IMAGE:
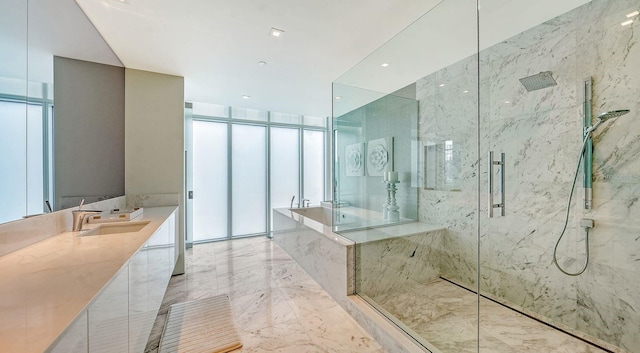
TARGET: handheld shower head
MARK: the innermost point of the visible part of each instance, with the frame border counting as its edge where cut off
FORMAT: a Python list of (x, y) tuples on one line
[(612, 114), (602, 117)]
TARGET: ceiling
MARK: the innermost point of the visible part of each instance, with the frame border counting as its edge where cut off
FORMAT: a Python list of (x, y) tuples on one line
[(216, 45)]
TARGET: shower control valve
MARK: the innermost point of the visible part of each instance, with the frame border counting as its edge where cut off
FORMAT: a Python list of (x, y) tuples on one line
[(586, 223)]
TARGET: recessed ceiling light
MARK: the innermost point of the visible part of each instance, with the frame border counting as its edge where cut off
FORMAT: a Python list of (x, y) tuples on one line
[(274, 32), (246, 97), (633, 14), (338, 97), (626, 23), (442, 85), (465, 91), (262, 63), (384, 64), (507, 102)]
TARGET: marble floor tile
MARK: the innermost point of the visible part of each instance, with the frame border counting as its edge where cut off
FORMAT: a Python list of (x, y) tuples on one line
[(277, 306), (448, 319)]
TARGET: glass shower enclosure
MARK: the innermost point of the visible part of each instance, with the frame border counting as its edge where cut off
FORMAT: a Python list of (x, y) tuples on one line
[(456, 146)]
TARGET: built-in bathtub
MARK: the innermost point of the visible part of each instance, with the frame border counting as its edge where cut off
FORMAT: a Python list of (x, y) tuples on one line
[(306, 235), (330, 259)]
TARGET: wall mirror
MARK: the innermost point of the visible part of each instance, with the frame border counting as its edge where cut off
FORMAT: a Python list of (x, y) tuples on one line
[(32, 33)]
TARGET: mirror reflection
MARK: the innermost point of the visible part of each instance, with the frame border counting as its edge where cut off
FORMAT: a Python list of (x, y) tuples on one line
[(32, 33)]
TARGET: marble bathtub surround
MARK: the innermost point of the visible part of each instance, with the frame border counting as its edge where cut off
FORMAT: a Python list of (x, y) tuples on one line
[(329, 259), (45, 286), (327, 256), (277, 306), (540, 132)]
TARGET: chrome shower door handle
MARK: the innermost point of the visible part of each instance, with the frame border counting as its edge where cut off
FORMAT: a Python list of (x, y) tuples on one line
[(491, 205)]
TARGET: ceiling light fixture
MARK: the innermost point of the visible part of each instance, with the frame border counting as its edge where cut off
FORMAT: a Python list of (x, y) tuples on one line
[(274, 32), (338, 97), (262, 63), (507, 102), (465, 91), (626, 23), (384, 64), (245, 97), (442, 85), (633, 14)]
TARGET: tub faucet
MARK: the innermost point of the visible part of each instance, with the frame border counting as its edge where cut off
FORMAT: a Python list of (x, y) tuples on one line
[(305, 202), (79, 217)]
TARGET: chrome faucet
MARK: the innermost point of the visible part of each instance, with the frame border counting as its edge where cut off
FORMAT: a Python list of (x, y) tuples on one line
[(305, 202), (79, 217)]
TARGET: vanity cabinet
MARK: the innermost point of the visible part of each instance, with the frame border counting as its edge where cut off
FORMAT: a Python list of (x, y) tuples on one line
[(108, 317), (75, 339), (149, 274), (121, 316)]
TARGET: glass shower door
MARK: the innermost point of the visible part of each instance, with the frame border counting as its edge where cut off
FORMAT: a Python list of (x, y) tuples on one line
[(419, 95), (554, 278)]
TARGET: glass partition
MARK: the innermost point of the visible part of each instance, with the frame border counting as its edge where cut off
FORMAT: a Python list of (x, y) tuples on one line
[(375, 158), (413, 212), (524, 164)]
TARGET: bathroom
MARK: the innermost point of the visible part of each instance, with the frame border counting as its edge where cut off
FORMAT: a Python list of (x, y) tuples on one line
[(438, 110)]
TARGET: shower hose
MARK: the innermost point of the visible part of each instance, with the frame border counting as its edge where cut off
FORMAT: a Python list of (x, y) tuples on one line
[(566, 218)]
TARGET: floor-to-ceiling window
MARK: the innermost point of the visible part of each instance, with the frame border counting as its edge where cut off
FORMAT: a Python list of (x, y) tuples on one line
[(247, 162), (25, 137)]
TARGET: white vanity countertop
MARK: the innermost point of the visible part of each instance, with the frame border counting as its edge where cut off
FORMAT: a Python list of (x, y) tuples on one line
[(43, 287)]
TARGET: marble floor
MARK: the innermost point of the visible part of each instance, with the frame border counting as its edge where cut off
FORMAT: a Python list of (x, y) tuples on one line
[(276, 305), (447, 320)]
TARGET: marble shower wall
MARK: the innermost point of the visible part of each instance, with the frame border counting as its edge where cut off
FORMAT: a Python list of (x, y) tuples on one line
[(540, 132)]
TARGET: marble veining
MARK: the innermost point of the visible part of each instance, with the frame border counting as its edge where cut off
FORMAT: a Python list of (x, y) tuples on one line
[(449, 322), (540, 132), (277, 306)]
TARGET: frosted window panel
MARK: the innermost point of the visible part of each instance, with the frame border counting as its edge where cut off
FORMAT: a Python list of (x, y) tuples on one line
[(35, 160), (207, 109), (248, 114), (249, 173), (315, 121), (314, 166), (49, 156), (285, 166), (13, 167), (285, 118), (209, 180), (13, 86)]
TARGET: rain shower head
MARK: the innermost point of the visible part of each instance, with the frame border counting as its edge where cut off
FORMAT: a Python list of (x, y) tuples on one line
[(612, 114), (538, 81)]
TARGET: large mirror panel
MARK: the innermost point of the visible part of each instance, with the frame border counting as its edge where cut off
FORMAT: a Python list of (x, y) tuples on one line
[(32, 33)]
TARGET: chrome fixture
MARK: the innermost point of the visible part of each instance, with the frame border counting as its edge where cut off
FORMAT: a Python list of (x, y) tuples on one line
[(604, 117), (293, 198), (585, 154), (491, 205), (79, 216), (305, 202), (538, 81)]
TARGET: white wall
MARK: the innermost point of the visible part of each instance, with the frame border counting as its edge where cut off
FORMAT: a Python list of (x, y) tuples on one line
[(154, 139)]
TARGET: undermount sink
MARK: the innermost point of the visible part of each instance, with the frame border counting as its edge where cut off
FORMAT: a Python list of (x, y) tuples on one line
[(104, 229)]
